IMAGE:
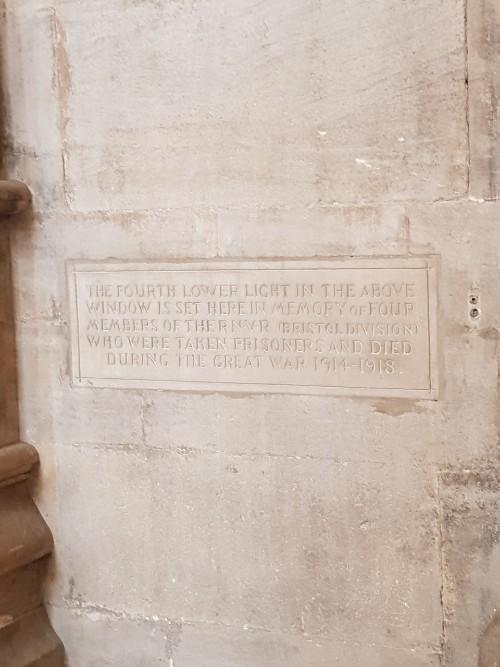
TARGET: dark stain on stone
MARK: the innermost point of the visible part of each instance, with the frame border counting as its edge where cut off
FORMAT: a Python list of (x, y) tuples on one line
[(489, 644), (71, 592), (395, 407), (491, 333), (486, 479)]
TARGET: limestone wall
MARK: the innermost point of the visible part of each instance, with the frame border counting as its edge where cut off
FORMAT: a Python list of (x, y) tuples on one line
[(262, 530)]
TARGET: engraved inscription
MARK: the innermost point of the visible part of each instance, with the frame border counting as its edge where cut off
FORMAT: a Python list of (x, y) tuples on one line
[(358, 327)]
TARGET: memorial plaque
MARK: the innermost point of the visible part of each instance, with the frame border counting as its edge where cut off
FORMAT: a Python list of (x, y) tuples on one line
[(364, 327)]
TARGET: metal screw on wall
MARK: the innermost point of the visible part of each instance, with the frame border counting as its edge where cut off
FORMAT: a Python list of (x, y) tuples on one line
[(474, 312)]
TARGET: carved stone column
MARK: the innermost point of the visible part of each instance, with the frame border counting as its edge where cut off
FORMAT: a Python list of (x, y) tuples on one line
[(26, 636)]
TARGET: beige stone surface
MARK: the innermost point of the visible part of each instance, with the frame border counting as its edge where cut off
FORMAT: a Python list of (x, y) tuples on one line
[(122, 640), (471, 553), (255, 102), (205, 529), (483, 73), (215, 518)]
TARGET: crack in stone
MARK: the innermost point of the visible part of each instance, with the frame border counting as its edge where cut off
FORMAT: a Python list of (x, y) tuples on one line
[(467, 92), (443, 640)]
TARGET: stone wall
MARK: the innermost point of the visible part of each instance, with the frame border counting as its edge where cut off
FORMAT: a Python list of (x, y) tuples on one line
[(247, 530)]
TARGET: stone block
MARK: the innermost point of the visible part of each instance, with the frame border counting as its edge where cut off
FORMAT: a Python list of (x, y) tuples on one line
[(471, 559), (96, 636), (314, 231), (271, 543), (341, 429), (284, 105)]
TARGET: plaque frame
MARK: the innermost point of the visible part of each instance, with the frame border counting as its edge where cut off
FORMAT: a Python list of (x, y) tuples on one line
[(428, 263)]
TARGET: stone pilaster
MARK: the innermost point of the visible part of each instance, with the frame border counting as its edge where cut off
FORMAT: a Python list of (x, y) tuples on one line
[(26, 636)]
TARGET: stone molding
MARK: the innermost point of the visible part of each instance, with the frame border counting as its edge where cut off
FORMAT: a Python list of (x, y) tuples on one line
[(14, 197), (16, 463), (26, 636)]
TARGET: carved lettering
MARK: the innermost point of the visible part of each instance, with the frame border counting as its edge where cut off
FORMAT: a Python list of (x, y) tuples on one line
[(359, 327)]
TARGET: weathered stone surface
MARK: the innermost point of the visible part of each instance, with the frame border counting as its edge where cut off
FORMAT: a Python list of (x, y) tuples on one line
[(274, 543), (41, 286), (32, 139), (483, 72), (89, 416), (284, 107), (97, 635), (332, 231), (309, 434), (471, 559), (298, 103), (203, 529), (94, 637)]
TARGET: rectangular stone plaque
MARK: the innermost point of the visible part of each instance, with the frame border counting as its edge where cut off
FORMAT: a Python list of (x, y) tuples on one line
[(364, 327)]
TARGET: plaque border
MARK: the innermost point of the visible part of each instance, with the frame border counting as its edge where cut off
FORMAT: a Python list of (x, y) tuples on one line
[(430, 263)]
